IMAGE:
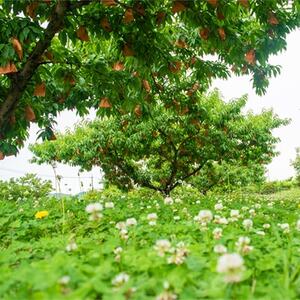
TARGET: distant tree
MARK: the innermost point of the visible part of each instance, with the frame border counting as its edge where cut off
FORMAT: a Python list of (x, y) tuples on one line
[(167, 148), (111, 54), (27, 187), (296, 164)]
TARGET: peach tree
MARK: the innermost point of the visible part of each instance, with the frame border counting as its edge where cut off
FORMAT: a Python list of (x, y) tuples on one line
[(112, 54), (167, 148)]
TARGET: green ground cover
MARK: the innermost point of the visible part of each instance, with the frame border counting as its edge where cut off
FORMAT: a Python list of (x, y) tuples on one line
[(139, 245)]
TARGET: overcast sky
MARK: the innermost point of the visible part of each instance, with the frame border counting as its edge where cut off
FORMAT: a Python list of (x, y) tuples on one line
[(282, 96)]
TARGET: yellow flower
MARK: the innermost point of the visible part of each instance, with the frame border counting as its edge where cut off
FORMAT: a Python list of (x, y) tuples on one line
[(41, 214)]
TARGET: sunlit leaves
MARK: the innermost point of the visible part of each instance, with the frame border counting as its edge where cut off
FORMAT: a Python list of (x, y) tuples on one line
[(113, 48), (160, 147)]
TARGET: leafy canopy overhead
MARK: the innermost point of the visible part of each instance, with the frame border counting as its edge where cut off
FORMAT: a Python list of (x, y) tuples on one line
[(166, 148), (63, 54)]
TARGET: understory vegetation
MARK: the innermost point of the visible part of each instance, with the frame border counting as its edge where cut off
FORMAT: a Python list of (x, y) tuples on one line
[(140, 245)]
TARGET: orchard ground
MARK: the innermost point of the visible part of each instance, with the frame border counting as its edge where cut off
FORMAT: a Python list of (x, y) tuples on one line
[(139, 245)]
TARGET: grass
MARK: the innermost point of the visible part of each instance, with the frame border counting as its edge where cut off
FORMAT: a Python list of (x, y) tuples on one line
[(35, 262)]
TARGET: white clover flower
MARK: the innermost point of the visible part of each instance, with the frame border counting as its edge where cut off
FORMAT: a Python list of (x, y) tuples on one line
[(131, 222), (244, 240), (257, 206), (64, 280), (266, 226), (217, 233), (232, 266), (252, 212), (179, 254), (176, 218), (204, 216), (124, 234), (168, 200), (234, 214), (93, 207), (270, 204), (298, 225), (220, 249), (219, 206), (220, 220), (166, 295), (109, 205), (285, 227), (176, 258), (152, 218), (117, 252), (162, 246), (120, 279), (177, 200), (223, 221), (243, 245), (121, 225), (198, 202), (248, 224), (72, 246)]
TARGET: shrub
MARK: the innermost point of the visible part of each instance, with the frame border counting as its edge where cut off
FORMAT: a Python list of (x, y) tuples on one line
[(25, 188)]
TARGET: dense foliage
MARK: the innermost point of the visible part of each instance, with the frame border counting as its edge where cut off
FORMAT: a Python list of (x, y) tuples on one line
[(167, 148), (63, 54), (229, 176), (271, 187), (141, 246), (28, 187)]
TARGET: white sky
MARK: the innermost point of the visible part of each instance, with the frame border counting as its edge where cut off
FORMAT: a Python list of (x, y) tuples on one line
[(282, 96)]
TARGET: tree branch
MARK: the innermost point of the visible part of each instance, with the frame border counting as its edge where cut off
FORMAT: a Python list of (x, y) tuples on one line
[(130, 172), (187, 176), (20, 79)]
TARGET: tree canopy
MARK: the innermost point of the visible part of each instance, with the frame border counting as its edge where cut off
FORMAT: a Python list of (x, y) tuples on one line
[(115, 55), (167, 148)]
